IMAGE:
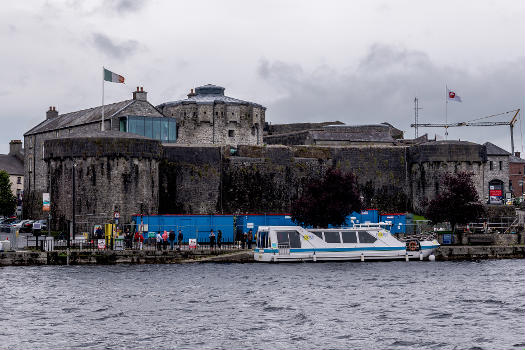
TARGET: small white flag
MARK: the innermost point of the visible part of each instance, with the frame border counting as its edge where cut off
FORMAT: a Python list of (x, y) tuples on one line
[(451, 95)]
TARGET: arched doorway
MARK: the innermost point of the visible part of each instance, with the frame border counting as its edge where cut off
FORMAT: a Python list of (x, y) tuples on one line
[(496, 192)]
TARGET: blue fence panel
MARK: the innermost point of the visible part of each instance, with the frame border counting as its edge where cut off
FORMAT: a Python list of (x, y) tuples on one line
[(398, 222), (192, 226), (256, 220)]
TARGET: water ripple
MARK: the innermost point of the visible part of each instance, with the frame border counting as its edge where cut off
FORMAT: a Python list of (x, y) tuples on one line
[(396, 305)]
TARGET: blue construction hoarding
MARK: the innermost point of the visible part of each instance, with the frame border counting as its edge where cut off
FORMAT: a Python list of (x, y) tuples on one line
[(199, 226), (192, 226)]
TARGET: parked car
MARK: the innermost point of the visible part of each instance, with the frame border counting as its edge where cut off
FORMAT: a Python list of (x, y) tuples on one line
[(27, 226), (18, 224), (43, 224)]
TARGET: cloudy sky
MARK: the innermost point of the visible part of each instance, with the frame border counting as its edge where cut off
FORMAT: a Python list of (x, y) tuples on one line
[(354, 61)]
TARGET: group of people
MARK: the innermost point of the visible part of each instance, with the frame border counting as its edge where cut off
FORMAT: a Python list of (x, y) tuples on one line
[(214, 239), (246, 239), (161, 241)]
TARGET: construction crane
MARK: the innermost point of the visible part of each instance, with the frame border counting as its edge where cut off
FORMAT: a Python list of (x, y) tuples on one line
[(477, 122)]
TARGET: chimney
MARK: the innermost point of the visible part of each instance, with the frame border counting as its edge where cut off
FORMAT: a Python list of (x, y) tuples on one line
[(140, 94), (517, 154), (15, 147), (52, 113), (191, 94)]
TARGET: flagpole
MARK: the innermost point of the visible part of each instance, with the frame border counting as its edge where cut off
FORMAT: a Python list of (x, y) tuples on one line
[(102, 126), (446, 111)]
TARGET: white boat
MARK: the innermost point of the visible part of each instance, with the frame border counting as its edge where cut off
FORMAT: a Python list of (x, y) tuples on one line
[(372, 242)]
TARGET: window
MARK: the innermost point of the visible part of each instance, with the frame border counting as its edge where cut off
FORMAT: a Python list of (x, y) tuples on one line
[(148, 127), (19, 180), (231, 133), (216, 113), (282, 237), (318, 234), (332, 237), (56, 133), (365, 237), (164, 128), (349, 237), (43, 151), (491, 165), (500, 165), (289, 237)]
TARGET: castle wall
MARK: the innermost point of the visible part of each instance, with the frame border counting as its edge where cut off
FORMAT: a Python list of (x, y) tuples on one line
[(110, 174), (430, 161), (269, 179)]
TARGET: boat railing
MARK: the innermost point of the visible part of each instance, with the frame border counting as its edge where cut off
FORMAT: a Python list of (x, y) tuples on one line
[(284, 248)]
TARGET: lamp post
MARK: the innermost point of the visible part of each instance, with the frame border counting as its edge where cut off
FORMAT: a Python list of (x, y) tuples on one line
[(73, 206)]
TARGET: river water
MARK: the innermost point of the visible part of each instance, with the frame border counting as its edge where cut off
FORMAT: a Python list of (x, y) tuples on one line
[(370, 305)]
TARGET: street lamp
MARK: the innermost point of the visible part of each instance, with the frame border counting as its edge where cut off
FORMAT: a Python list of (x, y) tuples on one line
[(73, 207)]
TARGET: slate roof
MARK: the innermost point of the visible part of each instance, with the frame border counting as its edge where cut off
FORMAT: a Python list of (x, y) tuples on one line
[(493, 150), (81, 117), (11, 164), (356, 133), (209, 94), (514, 159)]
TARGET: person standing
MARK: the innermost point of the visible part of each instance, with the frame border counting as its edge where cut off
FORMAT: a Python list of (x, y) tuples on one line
[(212, 239), (179, 238), (165, 240), (250, 239), (158, 238), (219, 239), (136, 240), (172, 239), (141, 240), (244, 239)]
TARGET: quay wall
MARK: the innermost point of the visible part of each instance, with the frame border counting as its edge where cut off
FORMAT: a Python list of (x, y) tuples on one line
[(26, 258)]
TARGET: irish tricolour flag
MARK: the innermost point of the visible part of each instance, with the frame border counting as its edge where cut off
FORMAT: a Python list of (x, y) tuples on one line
[(112, 77)]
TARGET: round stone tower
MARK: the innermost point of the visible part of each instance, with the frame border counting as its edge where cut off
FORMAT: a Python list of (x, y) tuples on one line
[(207, 116)]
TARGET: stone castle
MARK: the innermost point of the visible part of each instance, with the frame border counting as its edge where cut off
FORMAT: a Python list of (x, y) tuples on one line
[(208, 154)]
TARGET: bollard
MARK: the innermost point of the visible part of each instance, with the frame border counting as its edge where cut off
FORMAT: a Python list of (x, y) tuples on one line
[(314, 258), (421, 256), (67, 257), (406, 257), (362, 257)]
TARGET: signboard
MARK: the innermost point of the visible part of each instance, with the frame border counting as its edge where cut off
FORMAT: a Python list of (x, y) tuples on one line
[(249, 224), (37, 226), (192, 243), (45, 202), (101, 244), (495, 193), (116, 215)]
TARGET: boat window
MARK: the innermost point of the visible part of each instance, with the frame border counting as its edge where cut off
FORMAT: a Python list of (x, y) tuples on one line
[(262, 239), (282, 237), (349, 237), (318, 234), (332, 237), (295, 240), (290, 237), (365, 237)]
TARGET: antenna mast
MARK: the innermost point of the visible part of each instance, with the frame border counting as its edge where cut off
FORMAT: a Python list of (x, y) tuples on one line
[(416, 117)]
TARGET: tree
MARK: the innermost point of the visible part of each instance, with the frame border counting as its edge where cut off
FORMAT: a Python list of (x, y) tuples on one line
[(458, 203), (7, 198), (328, 200)]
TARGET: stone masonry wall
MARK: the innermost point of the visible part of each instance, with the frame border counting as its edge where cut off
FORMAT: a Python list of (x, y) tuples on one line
[(269, 179), (110, 174), (217, 123)]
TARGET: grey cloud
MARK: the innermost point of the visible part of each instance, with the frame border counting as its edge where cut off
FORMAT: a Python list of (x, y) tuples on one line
[(127, 6), (383, 87), (117, 50)]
